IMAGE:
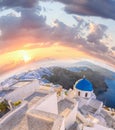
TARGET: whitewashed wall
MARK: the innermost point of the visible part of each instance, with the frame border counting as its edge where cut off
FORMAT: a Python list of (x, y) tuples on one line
[(12, 118), (49, 104), (59, 123), (71, 118), (82, 93), (63, 125), (23, 91)]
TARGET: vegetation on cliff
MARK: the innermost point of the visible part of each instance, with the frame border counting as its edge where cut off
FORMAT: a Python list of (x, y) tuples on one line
[(68, 78)]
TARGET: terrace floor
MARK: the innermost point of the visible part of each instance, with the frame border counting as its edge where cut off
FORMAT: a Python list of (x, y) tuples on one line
[(63, 104), (31, 101)]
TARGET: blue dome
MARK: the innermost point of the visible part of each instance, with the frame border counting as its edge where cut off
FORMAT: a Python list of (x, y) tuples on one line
[(84, 85)]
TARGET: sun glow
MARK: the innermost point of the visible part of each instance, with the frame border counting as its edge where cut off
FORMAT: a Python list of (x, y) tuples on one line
[(25, 56)]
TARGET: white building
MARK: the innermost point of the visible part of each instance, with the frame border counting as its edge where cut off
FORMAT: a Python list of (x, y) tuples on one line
[(51, 114), (91, 115), (44, 109)]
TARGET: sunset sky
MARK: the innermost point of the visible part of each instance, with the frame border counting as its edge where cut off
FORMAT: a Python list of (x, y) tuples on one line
[(32, 30)]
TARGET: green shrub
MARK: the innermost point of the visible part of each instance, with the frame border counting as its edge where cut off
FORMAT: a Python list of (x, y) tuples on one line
[(16, 103), (4, 106), (66, 92)]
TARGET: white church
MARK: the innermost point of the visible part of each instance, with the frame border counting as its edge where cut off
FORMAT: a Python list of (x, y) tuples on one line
[(84, 88), (50, 107)]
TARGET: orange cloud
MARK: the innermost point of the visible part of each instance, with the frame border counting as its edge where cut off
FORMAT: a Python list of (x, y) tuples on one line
[(56, 51), (20, 57)]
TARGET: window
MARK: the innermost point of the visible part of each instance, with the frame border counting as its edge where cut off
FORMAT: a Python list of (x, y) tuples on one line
[(86, 94), (78, 93)]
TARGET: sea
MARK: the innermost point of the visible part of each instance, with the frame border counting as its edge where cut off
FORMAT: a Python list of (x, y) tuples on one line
[(108, 97)]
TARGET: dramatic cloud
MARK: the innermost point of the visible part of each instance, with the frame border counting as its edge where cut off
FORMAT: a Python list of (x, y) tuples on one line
[(97, 32), (113, 48), (92, 43), (18, 32), (102, 8), (18, 3), (72, 36), (31, 31)]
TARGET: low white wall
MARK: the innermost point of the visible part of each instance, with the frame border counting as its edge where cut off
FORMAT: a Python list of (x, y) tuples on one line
[(63, 125), (39, 120), (23, 91), (12, 118), (81, 117), (71, 118), (49, 104), (59, 123), (82, 93), (84, 120), (109, 119)]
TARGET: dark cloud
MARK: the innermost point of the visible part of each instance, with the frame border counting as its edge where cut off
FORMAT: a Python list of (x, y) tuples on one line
[(97, 34), (31, 27), (95, 37), (71, 36), (102, 8), (18, 3), (113, 48), (100, 47), (17, 31)]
